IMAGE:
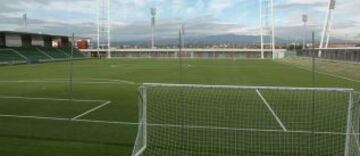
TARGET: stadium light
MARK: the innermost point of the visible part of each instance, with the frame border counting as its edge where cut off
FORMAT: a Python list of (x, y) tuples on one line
[(305, 20), (104, 26), (325, 37), (153, 22), (267, 27), (25, 18)]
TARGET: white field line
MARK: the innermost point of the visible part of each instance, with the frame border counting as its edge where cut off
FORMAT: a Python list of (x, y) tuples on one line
[(248, 129), (106, 122), (49, 99), (171, 125), (66, 81), (271, 110), (141, 151), (114, 80), (91, 110), (66, 119), (319, 72), (34, 117)]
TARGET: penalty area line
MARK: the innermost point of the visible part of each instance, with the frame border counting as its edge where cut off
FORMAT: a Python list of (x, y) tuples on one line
[(48, 99), (91, 110), (66, 119), (271, 110)]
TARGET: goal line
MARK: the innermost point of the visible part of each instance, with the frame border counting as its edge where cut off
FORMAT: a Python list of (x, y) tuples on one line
[(102, 104)]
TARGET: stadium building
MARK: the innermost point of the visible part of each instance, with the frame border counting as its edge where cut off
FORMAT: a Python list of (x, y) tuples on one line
[(24, 47)]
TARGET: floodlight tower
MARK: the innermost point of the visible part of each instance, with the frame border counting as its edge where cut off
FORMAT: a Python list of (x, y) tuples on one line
[(305, 20), (153, 22), (267, 27), (183, 36), (325, 37), (104, 26), (25, 19)]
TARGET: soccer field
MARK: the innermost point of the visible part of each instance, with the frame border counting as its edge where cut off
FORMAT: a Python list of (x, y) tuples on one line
[(37, 118)]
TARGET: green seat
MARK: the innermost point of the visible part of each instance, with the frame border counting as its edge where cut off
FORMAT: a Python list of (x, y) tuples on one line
[(77, 53), (32, 53), (9, 55), (54, 53)]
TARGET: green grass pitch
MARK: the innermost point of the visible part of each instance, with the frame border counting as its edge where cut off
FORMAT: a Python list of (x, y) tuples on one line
[(32, 91)]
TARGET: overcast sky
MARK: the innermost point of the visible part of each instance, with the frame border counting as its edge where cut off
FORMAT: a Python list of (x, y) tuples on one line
[(131, 18)]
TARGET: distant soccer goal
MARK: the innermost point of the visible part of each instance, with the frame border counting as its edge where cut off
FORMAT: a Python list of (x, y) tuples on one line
[(212, 120)]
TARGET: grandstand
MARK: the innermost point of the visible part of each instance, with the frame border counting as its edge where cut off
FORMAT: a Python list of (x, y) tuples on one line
[(20, 47), (9, 54), (32, 53), (52, 52), (76, 54)]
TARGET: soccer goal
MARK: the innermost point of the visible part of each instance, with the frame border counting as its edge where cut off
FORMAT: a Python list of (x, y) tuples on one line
[(212, 120)]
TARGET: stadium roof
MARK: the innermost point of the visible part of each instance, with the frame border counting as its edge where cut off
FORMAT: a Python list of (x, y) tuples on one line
[(41, 34)]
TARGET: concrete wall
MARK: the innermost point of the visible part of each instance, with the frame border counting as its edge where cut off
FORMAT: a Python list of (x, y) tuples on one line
[(13, 40), (352, 55)]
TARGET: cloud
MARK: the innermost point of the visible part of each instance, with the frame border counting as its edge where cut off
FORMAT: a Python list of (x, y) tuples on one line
[(198, 26), (131, 19), (218, 6), (302, 3)]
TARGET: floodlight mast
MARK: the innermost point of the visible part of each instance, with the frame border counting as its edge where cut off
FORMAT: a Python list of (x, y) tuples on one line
[(25, 18), (274, 54), (153, 22), (305, 20), (104, 26), (98, 27), (327, 27), (109, 29), (261, 30), (266, 9), (183, 36)]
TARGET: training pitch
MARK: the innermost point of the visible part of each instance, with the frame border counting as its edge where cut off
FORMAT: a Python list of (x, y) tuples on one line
[(38, 119)]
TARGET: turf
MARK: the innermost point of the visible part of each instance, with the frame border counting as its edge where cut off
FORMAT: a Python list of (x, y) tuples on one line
[(116, 81)]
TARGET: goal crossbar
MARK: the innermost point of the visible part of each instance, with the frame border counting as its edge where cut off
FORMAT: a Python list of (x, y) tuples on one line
[(147, 85)]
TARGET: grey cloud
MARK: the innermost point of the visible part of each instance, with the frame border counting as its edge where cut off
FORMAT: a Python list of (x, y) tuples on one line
[(6, 8), (300, 5), (297, 33), (345, 24), (169, 29), (18, 6)]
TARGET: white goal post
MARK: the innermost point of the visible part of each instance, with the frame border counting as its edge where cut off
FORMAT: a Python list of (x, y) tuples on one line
[(186, 119)]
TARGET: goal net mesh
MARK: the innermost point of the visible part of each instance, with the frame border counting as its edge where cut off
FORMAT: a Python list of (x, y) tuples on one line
[(234, 120)]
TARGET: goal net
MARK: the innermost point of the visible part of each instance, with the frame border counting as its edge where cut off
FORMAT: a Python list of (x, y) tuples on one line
[(214, 120)]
